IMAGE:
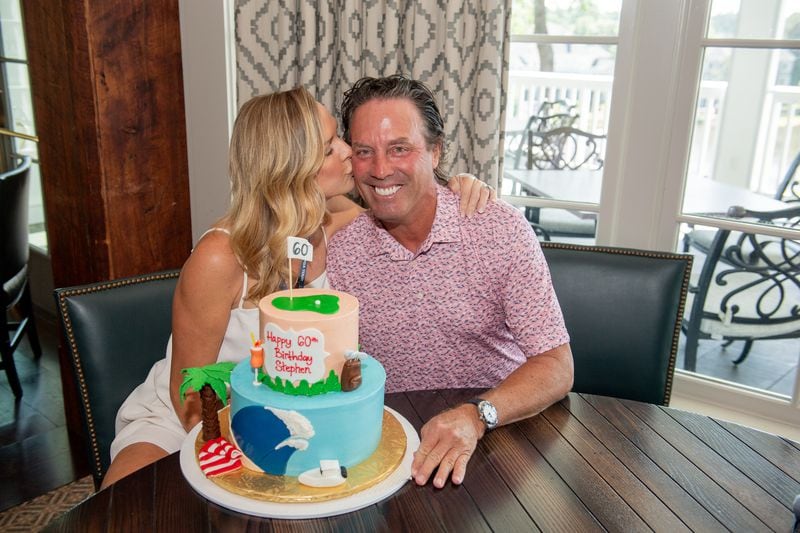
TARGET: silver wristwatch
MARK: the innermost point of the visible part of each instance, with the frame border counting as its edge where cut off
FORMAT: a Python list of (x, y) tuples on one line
[(486, 412)]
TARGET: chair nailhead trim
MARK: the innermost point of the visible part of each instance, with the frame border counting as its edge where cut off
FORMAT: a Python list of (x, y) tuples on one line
[(73, 347), (656, 255)]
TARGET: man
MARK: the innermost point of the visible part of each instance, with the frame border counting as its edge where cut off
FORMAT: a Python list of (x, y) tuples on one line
[(446, 301)]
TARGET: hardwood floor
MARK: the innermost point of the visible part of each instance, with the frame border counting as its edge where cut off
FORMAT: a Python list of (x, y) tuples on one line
[(34, 446)]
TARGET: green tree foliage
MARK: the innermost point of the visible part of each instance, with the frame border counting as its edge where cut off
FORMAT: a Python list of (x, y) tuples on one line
[(563, 17), (215, 376), (566, 17)]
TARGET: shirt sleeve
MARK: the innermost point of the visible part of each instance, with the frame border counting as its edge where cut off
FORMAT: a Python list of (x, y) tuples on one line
[(533, 314)]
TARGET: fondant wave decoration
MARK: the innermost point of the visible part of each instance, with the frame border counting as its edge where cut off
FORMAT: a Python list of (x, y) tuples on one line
[(269, 436)]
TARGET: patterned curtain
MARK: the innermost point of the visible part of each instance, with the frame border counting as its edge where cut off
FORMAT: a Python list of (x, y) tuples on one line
[(458, 48)]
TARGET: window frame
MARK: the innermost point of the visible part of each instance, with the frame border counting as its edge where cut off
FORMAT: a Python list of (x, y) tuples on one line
[(659, 59)]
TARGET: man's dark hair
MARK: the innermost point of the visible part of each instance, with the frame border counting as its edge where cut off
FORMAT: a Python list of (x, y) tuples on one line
[(399, 86)]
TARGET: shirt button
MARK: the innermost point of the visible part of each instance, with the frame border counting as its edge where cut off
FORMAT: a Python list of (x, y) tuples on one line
[(421, 295)]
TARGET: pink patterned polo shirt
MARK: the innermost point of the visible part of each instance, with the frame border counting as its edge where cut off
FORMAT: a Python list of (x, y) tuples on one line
[(464, 311)]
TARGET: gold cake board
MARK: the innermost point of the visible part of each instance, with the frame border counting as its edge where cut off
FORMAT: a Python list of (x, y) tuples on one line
[(256, 493), (266, 487)]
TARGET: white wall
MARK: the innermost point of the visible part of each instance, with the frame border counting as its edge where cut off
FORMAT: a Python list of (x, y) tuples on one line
[(209, 93)]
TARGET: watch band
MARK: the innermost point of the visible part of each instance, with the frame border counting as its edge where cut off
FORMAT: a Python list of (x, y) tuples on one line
[(491, 411)]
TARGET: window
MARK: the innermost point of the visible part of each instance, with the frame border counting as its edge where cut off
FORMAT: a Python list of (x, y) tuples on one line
[(747, 114), (656, 87), (561, 71), (698, 106), (16, 109), (742, 324)]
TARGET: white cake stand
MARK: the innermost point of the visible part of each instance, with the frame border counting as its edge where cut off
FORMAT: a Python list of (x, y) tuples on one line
[(379, 491)]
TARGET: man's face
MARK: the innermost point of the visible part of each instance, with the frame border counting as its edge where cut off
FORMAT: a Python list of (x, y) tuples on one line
[(392, 164)]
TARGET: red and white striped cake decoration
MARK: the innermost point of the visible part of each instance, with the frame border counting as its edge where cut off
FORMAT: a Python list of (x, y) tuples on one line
[(218, 456)]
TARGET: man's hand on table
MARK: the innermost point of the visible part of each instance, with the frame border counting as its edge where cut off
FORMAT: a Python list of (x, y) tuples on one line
[(447, 442)]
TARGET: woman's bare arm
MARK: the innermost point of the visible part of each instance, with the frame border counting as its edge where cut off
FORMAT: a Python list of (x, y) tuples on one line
[(209, 287)]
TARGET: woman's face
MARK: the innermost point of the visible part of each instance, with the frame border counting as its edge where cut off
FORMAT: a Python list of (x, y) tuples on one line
[(336, 175)]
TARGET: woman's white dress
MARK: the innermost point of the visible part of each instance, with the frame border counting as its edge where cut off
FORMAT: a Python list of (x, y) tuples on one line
[(147, 414)]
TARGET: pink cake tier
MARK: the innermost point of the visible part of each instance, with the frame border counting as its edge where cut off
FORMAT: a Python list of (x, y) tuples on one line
[(305, 336)]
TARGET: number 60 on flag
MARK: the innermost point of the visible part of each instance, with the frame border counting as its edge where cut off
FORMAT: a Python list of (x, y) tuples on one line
[(299, 248)]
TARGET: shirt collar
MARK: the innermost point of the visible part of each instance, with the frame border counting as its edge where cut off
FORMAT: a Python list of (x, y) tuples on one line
[(445, 229)]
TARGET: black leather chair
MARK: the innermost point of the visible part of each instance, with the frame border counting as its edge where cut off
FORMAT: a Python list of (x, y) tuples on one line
[(623, 310), (14, 253), (115, 331)]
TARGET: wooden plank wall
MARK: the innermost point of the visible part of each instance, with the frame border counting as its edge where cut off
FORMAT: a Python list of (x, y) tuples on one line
[(108, 98)]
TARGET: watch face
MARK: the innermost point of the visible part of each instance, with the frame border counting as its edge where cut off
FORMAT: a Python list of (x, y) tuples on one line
[(488, 413)]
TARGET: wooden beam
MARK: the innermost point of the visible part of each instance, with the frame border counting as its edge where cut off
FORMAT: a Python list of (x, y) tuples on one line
[(107, 91), (108, 97)]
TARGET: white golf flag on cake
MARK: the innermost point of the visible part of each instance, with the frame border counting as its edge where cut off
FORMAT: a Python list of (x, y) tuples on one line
[(299, 248)]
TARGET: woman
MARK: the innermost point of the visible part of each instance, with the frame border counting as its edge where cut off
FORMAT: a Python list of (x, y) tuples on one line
[(289, 171)]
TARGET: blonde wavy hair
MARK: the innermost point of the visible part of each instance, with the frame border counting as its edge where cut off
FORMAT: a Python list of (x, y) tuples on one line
[(275, 153)]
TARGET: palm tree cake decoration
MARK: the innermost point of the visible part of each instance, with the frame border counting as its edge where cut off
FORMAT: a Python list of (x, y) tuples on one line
[(210, 382)]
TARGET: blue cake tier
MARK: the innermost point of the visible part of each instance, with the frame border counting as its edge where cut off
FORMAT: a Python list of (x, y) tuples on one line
[(287, 435)]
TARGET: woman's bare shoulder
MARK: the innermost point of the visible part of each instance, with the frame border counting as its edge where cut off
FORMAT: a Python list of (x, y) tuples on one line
[(213, 268)]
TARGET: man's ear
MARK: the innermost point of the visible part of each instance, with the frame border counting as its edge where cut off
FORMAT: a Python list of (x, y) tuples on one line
[(436, 153)]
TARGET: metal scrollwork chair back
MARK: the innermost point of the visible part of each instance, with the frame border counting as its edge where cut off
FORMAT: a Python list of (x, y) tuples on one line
[(550, 115), (565, 148), (553, 114), (748, 288)]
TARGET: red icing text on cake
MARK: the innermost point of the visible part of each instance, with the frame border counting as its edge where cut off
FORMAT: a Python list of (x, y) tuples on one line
[(294, 355)]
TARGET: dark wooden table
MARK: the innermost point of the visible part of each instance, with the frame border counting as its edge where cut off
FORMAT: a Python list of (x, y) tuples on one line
[(588, 463)]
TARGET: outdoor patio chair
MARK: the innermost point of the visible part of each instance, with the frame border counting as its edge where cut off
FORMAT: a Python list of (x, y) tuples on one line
[(622, 308), (789, 188), (788, 191), (748, 288), (550, 115), (703, 240), (564, 148), (115, 331)]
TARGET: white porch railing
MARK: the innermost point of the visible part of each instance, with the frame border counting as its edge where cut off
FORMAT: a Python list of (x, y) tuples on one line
[(705, 134), (778, 138), (591, 94)]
